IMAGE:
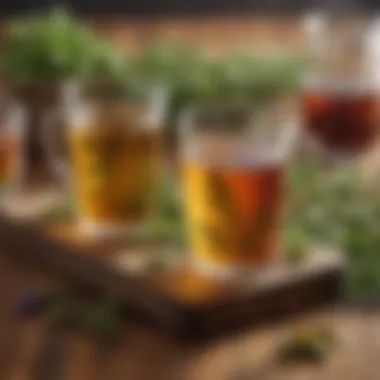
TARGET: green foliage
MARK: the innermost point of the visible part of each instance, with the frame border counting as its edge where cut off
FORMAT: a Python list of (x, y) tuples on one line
[(250, 80), (54, 46), (63, 211), (102, 318), (159, 62), (332, 207), (166, 227), (192, 76)]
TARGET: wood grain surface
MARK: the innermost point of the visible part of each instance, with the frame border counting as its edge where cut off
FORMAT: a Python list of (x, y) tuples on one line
[(33, 350), (175, 298)]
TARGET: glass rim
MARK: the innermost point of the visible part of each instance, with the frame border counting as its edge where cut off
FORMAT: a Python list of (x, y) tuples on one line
[(15, 112), (282, 137), (226, 112), (226, 118), (317, 22), (114, 90)]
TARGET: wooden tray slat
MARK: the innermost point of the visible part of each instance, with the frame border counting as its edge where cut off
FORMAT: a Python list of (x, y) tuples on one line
[(176, 299)]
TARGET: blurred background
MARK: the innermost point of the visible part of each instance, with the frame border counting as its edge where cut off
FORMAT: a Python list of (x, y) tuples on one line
[(228, 50)]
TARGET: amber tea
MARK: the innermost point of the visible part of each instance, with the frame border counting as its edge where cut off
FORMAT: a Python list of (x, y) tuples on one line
[(343, 122), (114, 173), (10, 155), (113, 144), (340, 99), (233, 212), (233, 165), (11, 146)]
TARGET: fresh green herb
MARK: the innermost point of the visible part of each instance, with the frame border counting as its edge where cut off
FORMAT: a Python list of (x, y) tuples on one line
[(168, 199), (58, 213), (69, 309), (54, 46), (331, 206), (162, 231), (297, 245), (62, 308), (102, 318), (194, 78), (166, 226), (311, 344), (160, 261), (64, 314)]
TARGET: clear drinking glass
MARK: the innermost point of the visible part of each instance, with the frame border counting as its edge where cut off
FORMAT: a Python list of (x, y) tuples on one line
[(12, 133), (113, 145), (233, 169), (340, 93)]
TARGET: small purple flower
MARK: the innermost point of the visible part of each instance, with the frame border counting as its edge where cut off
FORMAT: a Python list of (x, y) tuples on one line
[(31, 303)]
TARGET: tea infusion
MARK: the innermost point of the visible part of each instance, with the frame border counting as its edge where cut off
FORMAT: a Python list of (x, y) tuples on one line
[(343, 121), (115, 172), (233, 212), (10, 156)]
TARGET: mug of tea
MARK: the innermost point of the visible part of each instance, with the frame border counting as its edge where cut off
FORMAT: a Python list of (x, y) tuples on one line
[(339, 97), (233, 174), (12, 136), (113, 143)]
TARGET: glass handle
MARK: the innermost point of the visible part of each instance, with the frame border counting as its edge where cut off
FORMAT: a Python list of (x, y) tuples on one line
[(51, 144)]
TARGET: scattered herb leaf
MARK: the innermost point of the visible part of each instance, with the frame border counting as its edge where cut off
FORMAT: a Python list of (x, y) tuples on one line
[(311, 345)]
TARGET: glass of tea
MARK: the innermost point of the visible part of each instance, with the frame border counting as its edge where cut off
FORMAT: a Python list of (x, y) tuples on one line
[(12, 131), (233, 161), (112, 137), (340, 95)]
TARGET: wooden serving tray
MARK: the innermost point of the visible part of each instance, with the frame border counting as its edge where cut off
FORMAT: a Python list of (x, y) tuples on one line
[(174, 298)]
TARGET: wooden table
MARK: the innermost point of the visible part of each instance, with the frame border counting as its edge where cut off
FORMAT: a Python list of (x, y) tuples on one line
[(31, 349)]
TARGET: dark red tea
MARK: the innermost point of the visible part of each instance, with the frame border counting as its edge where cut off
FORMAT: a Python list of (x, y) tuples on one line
[(342, 121)]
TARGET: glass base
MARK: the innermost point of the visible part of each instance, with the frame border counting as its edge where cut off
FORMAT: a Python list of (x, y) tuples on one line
[(8, 191), (334, 154), (101, 230)]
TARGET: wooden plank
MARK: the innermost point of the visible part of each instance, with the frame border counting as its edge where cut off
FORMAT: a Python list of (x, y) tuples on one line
[(177, 299), (356, 355)]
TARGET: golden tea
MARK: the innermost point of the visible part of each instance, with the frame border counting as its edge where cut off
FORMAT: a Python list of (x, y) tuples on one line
[(233, 212), (115, 172), (10, 156)]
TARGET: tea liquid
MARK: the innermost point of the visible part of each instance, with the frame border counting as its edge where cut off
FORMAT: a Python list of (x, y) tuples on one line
[(233, 213), (342, 120), (10, 156), (115, 173)]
